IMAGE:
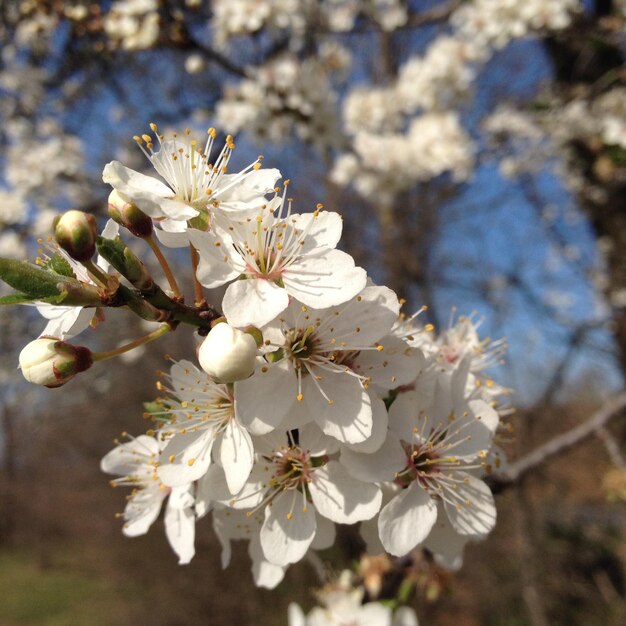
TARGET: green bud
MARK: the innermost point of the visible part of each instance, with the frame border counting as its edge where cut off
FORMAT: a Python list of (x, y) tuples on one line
[(129, 215), (76, 232), (51, 362), (126, 262)]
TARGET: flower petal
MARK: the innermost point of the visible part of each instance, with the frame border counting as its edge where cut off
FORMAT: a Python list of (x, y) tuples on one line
[(253, 301), (379, 466), (475, 515), (186, 457), (324, 278), (341, 498), (288, 529), (406, 521), (236, 454), (180, 529), (263, 400), (345, 413)]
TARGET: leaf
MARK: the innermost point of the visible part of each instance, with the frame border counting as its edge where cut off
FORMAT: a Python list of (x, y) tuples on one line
[(16, 298), (113, 251), (45, 285), (30, 279), (24, 298), (59, 264)]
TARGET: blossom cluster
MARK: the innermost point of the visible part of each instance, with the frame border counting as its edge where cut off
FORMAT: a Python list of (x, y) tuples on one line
[(314, 400), (341, 603)]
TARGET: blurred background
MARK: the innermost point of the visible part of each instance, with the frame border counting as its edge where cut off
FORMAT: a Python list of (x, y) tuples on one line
[(477, 152)]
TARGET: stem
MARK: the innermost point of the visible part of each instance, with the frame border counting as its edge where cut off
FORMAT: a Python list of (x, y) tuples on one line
[(97, 273), (200, 300), (155, 334), (559, 444), (164, 265)]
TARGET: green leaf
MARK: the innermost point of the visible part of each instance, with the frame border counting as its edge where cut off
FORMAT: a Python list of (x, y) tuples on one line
[(113, 251), (16, 298), (45, 285), (30, 279), (59, 264)]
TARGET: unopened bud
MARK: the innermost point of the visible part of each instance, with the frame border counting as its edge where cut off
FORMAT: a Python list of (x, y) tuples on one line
[(76, 232), (50, 362), (228, 354), (129, 215)]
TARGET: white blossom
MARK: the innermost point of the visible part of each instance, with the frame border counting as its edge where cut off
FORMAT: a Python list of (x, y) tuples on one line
[(135, 461)]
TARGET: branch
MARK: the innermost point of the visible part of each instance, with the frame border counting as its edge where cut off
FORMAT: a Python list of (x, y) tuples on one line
[(557, 445)]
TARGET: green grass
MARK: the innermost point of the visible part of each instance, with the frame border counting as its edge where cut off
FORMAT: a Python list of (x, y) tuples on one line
[(55, 596)]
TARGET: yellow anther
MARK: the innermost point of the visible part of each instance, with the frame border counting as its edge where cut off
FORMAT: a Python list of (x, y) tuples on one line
[(146, 138), (153, 127)]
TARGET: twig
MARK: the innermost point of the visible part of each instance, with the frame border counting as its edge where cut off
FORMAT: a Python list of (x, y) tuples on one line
[(559, 444), (612, 447)]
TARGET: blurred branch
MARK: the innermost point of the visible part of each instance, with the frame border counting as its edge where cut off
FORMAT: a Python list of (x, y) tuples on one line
[(612, 447), (558, 445)]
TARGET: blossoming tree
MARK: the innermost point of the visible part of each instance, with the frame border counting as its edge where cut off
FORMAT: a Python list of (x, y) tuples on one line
[(315, 398)]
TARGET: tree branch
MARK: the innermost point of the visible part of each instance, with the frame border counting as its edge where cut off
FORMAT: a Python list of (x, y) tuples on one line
[(559, 444)]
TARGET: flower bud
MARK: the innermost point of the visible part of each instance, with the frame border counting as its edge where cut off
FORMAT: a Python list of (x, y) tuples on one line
[(76, 232), (228, 354), (129, 215), (50, 362)]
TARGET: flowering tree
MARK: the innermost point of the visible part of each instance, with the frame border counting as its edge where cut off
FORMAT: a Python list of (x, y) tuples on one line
[(313, 400)]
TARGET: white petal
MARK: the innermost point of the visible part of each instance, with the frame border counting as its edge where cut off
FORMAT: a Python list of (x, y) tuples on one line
[(216, 265), (324, 278), (475, 514), (366, 318), (263, 400), (369, 533), (379, 466), (404, 616), (65, 321), (379, 428), (141, 512), (445, 543), (404, 416), (324, 229), (212, 487), (126, 458), (172, 239), (180, 528), (148, 193), (295, 616), (288, 529), (191, 453), (266, 574), (487, 414), (406, 521), (395, 365), (248, 193), (325, 535), (253, 301), (374, 614), (315, 442), (346, 412), (127, 181), (236, 454), (341, 498)]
